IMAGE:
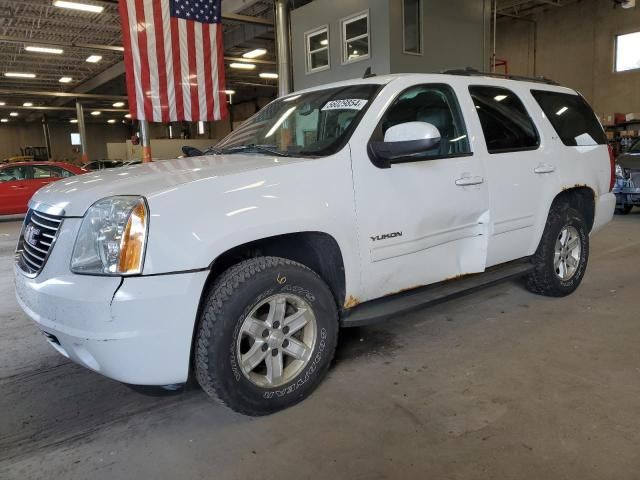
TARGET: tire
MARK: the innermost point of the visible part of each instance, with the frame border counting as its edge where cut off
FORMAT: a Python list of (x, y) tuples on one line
[(625, 210), (548, 277), (237, 312)]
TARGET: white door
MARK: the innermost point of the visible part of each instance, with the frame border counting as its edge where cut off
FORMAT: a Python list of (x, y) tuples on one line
[(420, 221), (516, 165)]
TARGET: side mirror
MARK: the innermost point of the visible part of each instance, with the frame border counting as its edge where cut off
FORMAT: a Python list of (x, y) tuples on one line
[(191, 151), (402, 142)]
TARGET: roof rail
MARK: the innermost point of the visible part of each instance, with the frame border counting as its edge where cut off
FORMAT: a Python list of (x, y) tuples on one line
[(472, 72)]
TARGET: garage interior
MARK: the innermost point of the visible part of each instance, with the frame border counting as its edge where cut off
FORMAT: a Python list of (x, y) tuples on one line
[(497, 384)]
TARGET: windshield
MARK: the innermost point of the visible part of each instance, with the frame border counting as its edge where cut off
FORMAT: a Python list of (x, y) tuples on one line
[(635, 147), (310, 124)]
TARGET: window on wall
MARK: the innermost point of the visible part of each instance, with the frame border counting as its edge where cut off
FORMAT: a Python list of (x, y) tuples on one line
[(317, 47), (412, 26), (628, 52), (355, 38)]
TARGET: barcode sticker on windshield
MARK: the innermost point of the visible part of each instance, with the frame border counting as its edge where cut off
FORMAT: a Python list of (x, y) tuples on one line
[(346, 104)]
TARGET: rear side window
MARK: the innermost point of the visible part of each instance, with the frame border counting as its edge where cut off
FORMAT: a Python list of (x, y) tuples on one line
[(506, 124), (571, 117)]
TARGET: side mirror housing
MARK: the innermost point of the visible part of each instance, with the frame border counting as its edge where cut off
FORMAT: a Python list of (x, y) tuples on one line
[(402, 142)]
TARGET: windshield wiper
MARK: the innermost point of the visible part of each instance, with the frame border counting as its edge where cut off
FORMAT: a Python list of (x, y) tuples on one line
[(258, 148)]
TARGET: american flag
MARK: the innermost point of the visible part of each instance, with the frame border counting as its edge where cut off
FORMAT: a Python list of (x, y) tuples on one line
[(174, 59)]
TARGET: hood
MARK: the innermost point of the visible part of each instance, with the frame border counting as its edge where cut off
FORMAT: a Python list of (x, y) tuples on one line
[(76, 194), (629, 160)]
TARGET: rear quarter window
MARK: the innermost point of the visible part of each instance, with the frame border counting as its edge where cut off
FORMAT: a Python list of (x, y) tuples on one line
[(571, 117)]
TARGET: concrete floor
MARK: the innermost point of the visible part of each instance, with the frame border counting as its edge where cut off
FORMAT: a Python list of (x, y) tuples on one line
[(500, 384)]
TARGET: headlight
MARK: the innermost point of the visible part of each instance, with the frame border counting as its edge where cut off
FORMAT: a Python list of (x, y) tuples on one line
[(619, 171), (112, 237)]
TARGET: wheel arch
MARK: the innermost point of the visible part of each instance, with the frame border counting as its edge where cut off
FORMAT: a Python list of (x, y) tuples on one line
[(580, 197)]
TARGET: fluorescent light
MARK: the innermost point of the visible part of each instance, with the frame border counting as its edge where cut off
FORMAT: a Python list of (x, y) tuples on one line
[(268, 75), (258, 52), (4, 120), (94, 58), (118, 104), (128, 115), (229, 92), (78, 6), (2, 104), (20, 75), (27, 104), (243, 66), (95, 113), (562, 110), (111, 120), (13, 114), (280, 121), (65, 79), (499, 98), (73, 120), (33, 48), (201, 128)]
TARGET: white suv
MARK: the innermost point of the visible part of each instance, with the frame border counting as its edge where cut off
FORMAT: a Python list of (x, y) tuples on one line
[(337, 205)]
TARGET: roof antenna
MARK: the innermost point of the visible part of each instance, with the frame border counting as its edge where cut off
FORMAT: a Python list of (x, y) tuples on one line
[(368, 74)]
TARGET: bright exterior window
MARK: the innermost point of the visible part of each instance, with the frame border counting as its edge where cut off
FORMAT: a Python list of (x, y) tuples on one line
[(355, 38), (628, 52), (412, 26), (317, 48)]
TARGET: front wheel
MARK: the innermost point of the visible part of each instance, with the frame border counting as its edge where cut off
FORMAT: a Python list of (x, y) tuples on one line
[(624, 210), (561, 258), (266, 336)]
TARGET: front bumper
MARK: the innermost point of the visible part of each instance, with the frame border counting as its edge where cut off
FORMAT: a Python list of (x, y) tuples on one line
[(627, 193), (136, 330)]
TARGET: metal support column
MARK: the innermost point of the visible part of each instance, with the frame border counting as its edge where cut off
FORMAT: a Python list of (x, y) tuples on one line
[(82, 131), (47, 137), (283, 46), (145, 141)]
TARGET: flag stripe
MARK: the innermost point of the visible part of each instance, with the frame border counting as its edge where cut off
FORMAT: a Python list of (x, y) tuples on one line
[(174, 59), (193, 83), (128, 59), (158, 28)]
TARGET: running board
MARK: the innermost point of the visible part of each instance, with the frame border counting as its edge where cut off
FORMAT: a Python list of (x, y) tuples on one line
[(382, 308)]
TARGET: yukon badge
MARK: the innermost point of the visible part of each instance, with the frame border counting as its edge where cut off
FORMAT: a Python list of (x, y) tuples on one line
[(385, 236)]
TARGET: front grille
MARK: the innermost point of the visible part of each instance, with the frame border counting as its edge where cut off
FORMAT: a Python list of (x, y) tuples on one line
[(635, 178), (38, 235)]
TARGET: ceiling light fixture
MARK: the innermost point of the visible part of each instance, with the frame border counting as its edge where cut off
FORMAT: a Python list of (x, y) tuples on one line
[(27, 104), (243, 66), (73, 120), (2, 104), (95, 113), (13, 114), (229, 92), (19, 75), (268, 75), (33, 48), (111, 120), (94, 58), (128, 115), (258, 52), (78, 6), (4, 120), (118, 104), (65, 79)]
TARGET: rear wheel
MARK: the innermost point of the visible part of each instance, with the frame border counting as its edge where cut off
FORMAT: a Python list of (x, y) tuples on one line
[(267, 335), (625, 210), (561, 258)]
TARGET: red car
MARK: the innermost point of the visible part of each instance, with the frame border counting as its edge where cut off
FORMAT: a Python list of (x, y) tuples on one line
[(20, 180)]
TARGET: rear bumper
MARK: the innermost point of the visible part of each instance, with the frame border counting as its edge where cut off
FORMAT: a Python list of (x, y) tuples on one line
[(138, 331), (605, 206)]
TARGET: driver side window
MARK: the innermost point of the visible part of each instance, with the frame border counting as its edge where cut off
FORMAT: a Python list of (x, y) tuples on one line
[(435, 104), (12, 174)]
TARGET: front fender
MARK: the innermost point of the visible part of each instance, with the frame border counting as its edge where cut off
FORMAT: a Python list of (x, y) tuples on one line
[(196, 222)]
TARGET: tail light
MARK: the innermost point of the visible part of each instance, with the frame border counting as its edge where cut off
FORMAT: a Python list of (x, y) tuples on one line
[(612, 159)]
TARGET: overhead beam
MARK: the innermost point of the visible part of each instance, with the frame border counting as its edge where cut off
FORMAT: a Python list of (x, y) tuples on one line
[(41, 93), (48, 107)]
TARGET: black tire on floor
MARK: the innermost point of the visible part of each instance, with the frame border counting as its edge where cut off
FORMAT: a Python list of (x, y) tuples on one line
[(229, 301), (544, 280), (624, 210)]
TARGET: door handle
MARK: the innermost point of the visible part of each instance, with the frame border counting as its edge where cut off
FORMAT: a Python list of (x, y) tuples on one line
[(468, 181), (544, 168)]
